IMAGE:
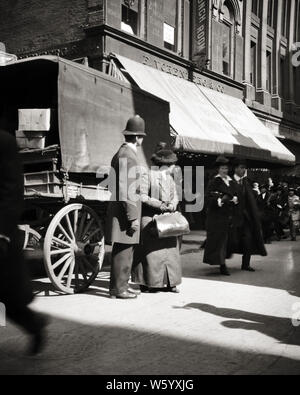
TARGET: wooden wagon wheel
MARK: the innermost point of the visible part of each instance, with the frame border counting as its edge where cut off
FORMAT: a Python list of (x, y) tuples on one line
[(74, 248)]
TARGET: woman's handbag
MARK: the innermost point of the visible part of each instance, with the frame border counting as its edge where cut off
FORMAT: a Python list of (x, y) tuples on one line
[(171, 225)]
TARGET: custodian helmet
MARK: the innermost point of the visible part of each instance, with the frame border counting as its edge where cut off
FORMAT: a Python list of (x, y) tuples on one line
[(135, 127)]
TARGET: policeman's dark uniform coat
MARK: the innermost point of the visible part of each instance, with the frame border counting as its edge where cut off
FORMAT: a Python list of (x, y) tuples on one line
[(122, 210), (218, 222)]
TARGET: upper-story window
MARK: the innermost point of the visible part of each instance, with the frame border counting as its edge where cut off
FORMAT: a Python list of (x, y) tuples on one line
[(269, 71), (228, 39), (256, 7), (130, 17), (253, 63), (271, 13), (297, 21), (172, 10), (284, 21)]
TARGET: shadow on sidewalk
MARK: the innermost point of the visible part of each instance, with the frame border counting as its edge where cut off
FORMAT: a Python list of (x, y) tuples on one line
[(77, 348), (280, 329)]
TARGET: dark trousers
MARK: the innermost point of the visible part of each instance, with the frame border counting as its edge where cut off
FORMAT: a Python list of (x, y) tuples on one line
[(25, 318), (293, 229), (122, 259), (246, 240)]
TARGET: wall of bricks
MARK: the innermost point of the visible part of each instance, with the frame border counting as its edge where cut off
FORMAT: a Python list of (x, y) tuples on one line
[(33, 25)]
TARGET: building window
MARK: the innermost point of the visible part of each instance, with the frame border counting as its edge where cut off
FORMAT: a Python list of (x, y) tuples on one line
[(271, 12), (227, 39), (284, 22), (269, 71), (130, 19), (172, 13), (256, 7), (253, 63), (169, 37), (282, 77), (297, 21)]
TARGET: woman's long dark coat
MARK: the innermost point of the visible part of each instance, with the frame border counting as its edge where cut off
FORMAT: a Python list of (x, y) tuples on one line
[(157, 261), (15, 286), (219, 220)]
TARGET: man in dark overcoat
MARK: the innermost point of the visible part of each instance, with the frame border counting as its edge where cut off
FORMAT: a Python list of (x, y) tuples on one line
[(15, 287), (247, 230), (124, 210), (265, 213)]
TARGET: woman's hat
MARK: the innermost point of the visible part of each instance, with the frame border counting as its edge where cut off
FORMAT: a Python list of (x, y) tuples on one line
[(221, 161), (165, 157)]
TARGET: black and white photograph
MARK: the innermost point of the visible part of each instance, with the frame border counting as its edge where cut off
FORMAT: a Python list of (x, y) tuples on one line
[(150, 190)]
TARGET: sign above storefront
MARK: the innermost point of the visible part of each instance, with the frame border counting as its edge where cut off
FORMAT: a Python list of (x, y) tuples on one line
[(200, 32)]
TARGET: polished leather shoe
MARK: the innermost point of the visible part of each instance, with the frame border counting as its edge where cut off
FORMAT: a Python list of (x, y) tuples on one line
[(133, 291), (224, 271), (248, 269), (124, 295)]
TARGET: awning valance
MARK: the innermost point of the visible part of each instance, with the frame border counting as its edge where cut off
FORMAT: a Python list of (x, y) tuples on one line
[(210, 122)]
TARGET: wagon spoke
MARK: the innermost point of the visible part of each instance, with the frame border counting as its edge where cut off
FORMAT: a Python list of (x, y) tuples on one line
[(82, 222), (88, 227), (60, 261), (89, 263), (60, 241), (65, 268), (70, 227), (76, 274), (65, 233), (83, 271), (75, 221), (58, 252), (92, 235), (71, 272)]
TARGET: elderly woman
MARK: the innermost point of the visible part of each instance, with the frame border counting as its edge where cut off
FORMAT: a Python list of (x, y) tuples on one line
[(157, 263), (221, 198)]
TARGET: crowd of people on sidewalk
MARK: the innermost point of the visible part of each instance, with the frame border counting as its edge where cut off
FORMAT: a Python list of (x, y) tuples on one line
[(279, 209)]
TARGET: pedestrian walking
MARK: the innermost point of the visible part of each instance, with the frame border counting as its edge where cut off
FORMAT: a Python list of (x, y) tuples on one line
[(15, 286), (124, 210), (294, 213), (221, 199), (265, 213), (247, 230), (157, 263)]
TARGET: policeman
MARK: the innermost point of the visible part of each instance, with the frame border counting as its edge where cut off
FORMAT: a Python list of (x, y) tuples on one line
[(124, 211)]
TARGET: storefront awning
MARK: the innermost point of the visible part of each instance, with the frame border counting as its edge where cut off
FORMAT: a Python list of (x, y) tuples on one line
[(209, 122)]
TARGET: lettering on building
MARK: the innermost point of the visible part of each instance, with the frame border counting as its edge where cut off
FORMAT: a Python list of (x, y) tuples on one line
[(200, 26), (182, 73)]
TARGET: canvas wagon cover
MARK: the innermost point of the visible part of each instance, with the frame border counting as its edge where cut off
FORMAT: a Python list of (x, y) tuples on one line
[(93, 110)]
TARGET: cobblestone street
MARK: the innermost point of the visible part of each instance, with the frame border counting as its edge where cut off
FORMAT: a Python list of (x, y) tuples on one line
[(217, 325)]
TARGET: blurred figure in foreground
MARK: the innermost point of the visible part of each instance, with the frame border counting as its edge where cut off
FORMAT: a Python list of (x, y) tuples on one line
[(15, 287)]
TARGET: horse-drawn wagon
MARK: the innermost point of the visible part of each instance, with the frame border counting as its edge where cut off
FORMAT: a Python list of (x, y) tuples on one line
[(67, 159)]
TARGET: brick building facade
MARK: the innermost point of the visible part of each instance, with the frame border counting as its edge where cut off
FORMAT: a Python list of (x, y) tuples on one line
[(240, 47)]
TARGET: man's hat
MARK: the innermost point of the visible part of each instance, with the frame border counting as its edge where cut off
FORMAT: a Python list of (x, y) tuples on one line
[(135, 127), (239, 162), (165, 157), (221, 161)]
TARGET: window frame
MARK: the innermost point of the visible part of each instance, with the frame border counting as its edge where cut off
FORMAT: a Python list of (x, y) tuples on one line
[(231, 25)]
